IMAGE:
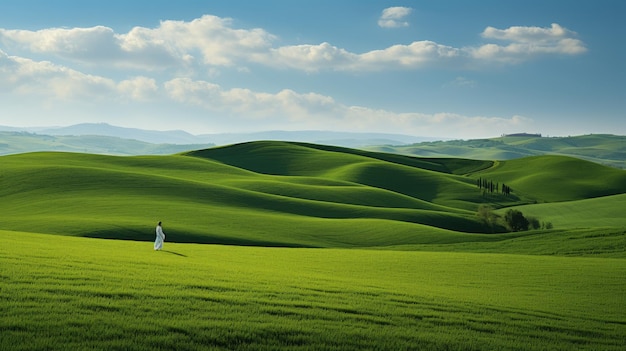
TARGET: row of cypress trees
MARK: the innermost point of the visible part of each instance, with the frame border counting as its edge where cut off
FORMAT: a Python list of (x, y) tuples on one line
[(490, 186)]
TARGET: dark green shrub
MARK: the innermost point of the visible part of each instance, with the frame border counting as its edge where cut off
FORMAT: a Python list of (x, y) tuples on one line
[(516, 221), (533, 223)]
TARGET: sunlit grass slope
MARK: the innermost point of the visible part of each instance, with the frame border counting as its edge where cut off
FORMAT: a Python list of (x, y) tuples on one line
[(270, 157), (584, 241), (606, 211), (557, 178), (428, 179), (67, 293)]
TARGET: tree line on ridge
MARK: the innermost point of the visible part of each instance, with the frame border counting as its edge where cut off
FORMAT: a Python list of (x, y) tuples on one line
[(493, 187)]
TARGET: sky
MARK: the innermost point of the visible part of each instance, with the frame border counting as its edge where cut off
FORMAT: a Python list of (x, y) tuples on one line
[(431, 68)]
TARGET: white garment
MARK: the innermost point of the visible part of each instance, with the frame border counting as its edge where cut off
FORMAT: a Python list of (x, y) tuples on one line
[(160, 237)]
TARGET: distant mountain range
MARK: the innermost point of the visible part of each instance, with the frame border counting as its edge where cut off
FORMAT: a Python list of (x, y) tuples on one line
[(105, 138), (22, 142), (102, 138), (348, 139)]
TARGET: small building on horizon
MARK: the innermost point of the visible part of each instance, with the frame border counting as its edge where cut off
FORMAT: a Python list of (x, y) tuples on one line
[(528, 135)]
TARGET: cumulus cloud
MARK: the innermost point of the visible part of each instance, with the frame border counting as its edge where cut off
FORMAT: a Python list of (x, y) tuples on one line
[(313, 58), (285, 109), (309, 57), (528, 34), (172, 43), (524, 44), (414, 55), (393, 17), (44, 78), (47, 80), (245, 102), (316, 111), (214, 37), (527, 42), (95, 45), (209, 41), (138, 88)]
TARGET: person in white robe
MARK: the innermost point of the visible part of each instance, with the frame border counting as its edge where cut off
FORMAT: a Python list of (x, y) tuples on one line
[(160, 237)]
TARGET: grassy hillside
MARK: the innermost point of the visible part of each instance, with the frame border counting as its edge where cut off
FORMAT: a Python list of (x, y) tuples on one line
[(588, 213), (66, 293), (580, 241), (281, 194), (203, 201), (600, 148), (557, 178)]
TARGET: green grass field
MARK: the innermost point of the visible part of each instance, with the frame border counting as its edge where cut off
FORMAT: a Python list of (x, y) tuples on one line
[(274, 245), (63, 292)]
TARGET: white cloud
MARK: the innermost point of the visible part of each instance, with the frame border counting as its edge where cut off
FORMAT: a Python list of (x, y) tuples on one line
[(44, 79), (414, 55), (245, 102), (95, 45), (528, 34), (209, 104), (138, 88), (63, 41), (527, 42), (172, 44), (313, 58), (393, 17), (213, 37), (309, 57), (288, 109), (202, 44)]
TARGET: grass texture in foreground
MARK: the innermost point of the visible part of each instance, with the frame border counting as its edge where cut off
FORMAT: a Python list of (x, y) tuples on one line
[(61, 292)]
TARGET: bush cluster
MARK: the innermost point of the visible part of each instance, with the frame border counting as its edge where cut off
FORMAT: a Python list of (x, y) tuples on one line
[(513, 220)]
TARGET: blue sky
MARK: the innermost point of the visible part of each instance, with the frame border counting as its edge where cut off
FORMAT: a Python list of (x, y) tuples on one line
[(448, 69)]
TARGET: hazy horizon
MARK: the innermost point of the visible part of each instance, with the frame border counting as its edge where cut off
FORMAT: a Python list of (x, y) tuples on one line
[(439, 69), (36, 129)]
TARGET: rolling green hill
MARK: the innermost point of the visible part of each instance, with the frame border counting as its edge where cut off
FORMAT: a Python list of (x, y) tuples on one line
[(557, 178), (599, 212), (282, 194), (600, 148)]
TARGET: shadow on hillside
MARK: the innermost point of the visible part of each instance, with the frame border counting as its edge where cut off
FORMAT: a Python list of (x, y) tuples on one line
[(174, 253), (178, 236)]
